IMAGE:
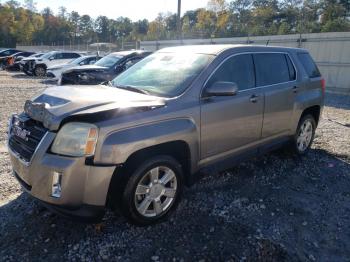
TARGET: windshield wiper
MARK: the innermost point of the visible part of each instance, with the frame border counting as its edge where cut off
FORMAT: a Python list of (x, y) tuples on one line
[(133, 89)]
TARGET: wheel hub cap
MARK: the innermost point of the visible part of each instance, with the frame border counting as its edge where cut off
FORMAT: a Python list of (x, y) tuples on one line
[(155, 193), (305, 135)]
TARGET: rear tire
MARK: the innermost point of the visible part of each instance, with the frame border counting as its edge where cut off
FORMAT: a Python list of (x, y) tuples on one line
[(304, 135), (152, 191)]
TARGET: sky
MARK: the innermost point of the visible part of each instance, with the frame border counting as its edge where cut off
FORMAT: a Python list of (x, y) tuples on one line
[(134, 9)]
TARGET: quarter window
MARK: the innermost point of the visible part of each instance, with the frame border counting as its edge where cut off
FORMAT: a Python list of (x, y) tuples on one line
[(271, 68), (238, 69), (309, 65)]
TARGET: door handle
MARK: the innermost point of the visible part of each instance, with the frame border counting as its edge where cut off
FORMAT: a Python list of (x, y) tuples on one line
[(295, 89), (253, 98)]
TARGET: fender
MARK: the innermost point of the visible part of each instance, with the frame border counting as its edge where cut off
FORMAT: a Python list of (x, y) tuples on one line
[(306, 99), (119, 145)]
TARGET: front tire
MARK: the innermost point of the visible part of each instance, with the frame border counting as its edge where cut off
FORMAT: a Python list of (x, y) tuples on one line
[(304, 135), (40, 71), (153, 191)]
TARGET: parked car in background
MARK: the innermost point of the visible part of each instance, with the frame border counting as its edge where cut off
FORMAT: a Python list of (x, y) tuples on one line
[(178, 113), (27, 63), (14, 60), (104, 70), (38, 66), (55, 72), (8, 52), (5, 59)]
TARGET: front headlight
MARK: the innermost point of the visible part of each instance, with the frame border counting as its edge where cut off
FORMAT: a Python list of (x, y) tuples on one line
[(76, 139)]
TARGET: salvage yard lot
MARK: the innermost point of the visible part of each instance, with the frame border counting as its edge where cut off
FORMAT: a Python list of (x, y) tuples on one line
[(277, 207)]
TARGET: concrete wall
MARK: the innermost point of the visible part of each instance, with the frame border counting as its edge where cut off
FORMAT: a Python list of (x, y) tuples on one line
[(77, 48), (331, 51)]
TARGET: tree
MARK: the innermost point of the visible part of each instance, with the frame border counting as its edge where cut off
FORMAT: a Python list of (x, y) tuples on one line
[(334, 15), (30, 5), (62, 12), (86, 28), (206, 21), (102, 28)]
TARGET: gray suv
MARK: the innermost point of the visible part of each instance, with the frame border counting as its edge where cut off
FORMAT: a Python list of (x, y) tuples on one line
[(133, 143)]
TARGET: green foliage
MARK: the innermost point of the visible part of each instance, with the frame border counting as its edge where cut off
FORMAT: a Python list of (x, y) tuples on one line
[(222, 18)]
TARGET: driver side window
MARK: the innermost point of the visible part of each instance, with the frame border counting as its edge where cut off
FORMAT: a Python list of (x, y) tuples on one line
[(238, 69)]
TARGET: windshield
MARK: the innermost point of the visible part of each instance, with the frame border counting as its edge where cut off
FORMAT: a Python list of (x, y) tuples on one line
[(48, 55), (164, 74), (108, 61), (78, 60)]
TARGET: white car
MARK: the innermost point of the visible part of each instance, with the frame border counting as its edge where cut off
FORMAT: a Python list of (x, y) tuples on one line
[(56, 71), (50, 59)]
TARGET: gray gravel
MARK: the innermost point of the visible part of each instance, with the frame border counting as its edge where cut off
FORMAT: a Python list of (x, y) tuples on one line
[(274, 208)]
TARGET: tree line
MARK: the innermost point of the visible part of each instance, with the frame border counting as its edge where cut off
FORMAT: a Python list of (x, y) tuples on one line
[(24, 24)]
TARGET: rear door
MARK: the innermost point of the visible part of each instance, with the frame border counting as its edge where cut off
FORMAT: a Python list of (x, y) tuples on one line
[(276, 76), (231, 122)]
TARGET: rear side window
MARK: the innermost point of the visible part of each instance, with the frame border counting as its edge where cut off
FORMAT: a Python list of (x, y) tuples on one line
[(271, 69), (309, 65), (238, 69), (70, 55)]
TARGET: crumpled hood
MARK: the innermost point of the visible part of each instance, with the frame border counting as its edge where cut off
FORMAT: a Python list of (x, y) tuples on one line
[(86, 68), (57, 103)]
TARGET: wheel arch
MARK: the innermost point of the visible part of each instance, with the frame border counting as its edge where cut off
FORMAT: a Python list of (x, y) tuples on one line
[(178, 149), (315, 111)]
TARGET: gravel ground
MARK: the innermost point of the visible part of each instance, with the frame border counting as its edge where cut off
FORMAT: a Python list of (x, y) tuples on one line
[(274, 208)]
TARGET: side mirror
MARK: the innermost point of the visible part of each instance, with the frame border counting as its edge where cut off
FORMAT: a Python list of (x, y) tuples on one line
[(51, 58), (221, 89)]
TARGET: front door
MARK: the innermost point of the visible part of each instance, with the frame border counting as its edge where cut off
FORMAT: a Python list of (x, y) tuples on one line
[(231, 122)]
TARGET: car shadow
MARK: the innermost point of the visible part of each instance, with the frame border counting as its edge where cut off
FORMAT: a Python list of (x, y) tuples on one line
[(277, 207), (22, 76), (48, 81), (337, 101)]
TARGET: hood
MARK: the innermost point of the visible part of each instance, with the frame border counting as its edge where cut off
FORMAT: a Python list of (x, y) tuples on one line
[(57, 103), (87, 68), (59, 66)]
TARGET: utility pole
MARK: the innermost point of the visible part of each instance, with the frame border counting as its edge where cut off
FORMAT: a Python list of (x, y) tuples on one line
[(179, 31)]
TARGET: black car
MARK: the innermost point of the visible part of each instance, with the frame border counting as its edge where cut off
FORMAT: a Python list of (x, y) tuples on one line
[(13, 61), (103, 70), (8, 52)]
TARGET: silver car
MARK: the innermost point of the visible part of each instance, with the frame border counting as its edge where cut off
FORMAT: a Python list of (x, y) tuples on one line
[(133, 143)]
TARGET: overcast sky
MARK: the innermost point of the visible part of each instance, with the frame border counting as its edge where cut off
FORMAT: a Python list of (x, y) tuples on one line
[(134, 9)]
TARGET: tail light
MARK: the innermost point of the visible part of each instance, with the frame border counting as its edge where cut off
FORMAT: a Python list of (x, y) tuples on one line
[(323, 84)]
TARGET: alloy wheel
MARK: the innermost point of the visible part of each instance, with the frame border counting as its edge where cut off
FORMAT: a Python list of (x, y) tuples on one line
[(304, 135), (155, 193), (40, 71)]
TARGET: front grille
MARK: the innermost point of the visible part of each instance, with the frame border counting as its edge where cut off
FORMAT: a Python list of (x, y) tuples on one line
[(25, 136), (70, 78)]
